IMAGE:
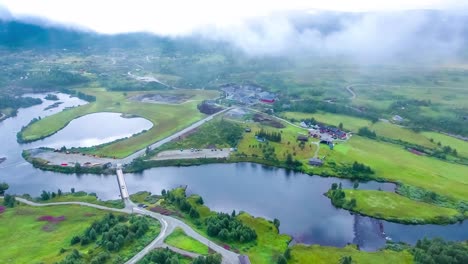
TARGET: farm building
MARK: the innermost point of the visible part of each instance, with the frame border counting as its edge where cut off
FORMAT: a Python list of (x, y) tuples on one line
[(315, 162), (398, 118), (303, 138)]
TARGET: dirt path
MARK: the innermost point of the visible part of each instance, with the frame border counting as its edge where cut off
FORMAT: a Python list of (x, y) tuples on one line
[(350, 90)]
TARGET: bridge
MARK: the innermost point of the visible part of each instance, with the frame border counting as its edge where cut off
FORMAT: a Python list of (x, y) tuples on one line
[(168, 224)]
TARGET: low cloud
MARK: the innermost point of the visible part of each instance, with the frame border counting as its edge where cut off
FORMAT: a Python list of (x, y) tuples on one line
[(363, 36)]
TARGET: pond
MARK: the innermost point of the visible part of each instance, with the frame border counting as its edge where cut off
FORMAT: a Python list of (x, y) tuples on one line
[(296, 199), (95, 129)]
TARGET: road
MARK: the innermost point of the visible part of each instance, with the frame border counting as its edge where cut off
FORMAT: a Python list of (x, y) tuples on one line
[(350, 90), (141, 152), (279, 118), (168, 224)]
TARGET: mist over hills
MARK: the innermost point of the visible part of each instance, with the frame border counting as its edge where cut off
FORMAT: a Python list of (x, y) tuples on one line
[(378, 36)]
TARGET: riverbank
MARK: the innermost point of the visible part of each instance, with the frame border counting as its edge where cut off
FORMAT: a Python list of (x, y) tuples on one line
[(396, 208), (66, 166)]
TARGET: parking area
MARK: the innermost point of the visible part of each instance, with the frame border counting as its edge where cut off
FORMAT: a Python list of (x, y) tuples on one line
[(193, 154)]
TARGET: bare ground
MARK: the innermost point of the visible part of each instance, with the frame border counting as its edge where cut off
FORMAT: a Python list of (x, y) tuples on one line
[(195, 154)]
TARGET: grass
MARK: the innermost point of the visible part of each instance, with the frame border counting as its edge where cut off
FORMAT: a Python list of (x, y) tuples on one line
[(460, 145), (393, 163), (179, 239), (24, 241), (87, 198), (323, 255), (269, 244), (249, 145), (166, 119), (396, 208), (349, 123)]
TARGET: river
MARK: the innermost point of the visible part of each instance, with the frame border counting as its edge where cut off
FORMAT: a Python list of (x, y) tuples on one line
[(296, 199)]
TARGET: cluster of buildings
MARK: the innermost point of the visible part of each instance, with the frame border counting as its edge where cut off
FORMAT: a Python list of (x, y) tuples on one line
[(325, 133), (247, 94)]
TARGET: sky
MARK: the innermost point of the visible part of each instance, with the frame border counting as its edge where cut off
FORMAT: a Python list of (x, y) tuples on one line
[(177, 17)]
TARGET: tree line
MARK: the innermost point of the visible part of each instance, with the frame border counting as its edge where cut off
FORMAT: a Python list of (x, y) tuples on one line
[(228, 228), (271, 136), (166, 256)]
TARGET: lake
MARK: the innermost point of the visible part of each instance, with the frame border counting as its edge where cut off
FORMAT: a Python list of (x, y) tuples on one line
[(296, 199)]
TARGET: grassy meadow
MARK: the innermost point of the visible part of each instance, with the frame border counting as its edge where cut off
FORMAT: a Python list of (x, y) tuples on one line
[(393, 207), (179, 239), (393, 163), (166, 118), (27, 240), (324, 255)]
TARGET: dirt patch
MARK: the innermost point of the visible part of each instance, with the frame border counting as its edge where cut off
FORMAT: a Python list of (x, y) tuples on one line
[(193, 154), (267, 121), (164, 211), (51, 219), (416, 152), (24, 211), (89, 214), (49, 227), (161, 98)]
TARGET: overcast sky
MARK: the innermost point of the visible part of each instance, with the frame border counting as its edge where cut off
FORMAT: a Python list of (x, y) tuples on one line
[(174, 17)]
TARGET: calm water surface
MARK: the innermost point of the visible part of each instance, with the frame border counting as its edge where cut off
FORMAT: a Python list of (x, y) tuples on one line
[(296, 199)]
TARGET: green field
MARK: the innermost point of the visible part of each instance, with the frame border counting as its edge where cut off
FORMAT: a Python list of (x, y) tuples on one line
[(25, 241), (393, 163), (396, 208), (84, 197), (349, 123), (269, 244), (179, 239), (250, 146), (324, 255), (166, 119), (460, 145)]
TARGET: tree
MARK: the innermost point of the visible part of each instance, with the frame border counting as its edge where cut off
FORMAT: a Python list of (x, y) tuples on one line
[(163, 192), (75, 240), (287, 253), (78, 168), (276, 222), (355, 185), (59, 192), (9, 201), (45, 196), (233, 214), (3, 187), (346, 260), (282, 260), (72, 190), (340, 126), (147, 151)]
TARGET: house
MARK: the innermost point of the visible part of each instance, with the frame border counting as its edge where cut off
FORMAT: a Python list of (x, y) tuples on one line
[(315, 162), (398, 118), (303, 138), (243, 259), (267, 97), (303, 124), (248, 130)]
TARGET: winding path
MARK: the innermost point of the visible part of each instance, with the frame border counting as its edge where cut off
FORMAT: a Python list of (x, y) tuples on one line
[(168, 224), (350, 90)]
